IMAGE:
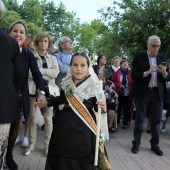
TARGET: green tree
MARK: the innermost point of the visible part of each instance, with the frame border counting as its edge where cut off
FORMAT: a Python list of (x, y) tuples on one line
[(58, 22), (30, 10), (11, 5), (9, 18), (139, 20)]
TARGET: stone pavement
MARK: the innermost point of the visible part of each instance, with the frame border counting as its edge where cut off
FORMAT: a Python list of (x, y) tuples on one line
[(118, 148)]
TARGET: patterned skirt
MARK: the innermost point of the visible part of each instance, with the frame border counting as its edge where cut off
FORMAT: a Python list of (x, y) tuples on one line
[(4, 133)]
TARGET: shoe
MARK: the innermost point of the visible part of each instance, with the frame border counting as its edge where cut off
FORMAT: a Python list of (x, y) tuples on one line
[(111, 129), (18, 139), (29, 150), (25, 142), (135, 149), (125, 127), (11, 163), (163, 130), (42, 127), (157, 151), (148, 131), (45, 151)]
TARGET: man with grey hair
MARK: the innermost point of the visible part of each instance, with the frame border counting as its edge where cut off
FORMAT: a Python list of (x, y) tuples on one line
[(63, 58), (149, 75), (11, 73)]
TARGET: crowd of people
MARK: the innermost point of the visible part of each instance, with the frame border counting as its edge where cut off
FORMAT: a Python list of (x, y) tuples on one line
[(31, 65)]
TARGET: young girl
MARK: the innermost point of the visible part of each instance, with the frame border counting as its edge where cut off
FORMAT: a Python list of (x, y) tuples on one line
[(72, 144)]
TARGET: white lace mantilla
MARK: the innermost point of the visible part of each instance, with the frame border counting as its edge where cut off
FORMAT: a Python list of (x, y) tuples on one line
[(85, 90)]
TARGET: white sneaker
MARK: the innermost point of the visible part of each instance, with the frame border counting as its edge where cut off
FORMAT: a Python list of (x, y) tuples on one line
[(18, 139), (25, 142), (29, 150), (163, 130)]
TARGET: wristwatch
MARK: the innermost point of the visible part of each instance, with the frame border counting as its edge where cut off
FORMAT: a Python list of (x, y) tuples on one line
[(42, 92)]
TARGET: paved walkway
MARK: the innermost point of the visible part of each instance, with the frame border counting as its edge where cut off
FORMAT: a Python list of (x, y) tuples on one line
[(119, 151)]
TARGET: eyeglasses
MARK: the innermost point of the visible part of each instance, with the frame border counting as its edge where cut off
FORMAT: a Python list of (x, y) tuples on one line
[(154, 45), (68, 41)]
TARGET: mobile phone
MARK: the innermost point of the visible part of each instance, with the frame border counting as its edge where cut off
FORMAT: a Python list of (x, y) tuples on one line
[(164, 63)]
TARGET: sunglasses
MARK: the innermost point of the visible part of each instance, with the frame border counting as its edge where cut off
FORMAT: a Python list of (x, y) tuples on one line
[(154, 45), (68, 41)]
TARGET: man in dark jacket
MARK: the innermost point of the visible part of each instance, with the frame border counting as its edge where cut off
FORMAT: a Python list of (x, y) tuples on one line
[(149, 75), (11, 73)]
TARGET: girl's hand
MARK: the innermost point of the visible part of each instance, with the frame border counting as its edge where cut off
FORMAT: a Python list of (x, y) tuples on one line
[(41, 101), (102, 105)]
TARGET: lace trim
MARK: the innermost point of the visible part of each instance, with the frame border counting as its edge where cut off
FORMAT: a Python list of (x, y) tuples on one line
[(85, 90)]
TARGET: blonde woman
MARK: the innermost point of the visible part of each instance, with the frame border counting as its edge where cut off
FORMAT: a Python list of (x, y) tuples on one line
[(30, 43), (25, 140), (18, 31), (49, 69)]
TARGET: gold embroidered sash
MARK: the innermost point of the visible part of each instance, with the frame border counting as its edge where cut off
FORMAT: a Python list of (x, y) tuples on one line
[(78, 107)]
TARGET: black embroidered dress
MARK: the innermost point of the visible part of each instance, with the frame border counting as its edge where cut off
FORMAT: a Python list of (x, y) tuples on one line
[(72, 144)]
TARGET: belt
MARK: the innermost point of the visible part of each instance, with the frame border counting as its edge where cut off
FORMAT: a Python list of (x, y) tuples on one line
[(152, 88)]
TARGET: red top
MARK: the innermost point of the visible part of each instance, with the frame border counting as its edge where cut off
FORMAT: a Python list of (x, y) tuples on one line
[(116, 80)]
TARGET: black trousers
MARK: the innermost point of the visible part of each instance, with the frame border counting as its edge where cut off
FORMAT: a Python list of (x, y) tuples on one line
[(12, 138), (152, 103), (125, 104)]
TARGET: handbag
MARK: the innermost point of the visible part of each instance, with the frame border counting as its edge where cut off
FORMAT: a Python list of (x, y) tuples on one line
[(51, 91)]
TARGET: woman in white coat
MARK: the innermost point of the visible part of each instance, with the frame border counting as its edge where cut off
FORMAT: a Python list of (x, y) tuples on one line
[(49, 69)]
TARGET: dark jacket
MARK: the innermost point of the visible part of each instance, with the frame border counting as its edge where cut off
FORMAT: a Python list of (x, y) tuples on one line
[(11, 73), (29, 62), (141, 64), (96, 70)]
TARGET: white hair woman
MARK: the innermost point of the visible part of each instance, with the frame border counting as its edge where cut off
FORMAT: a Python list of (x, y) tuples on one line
[(111, 97)]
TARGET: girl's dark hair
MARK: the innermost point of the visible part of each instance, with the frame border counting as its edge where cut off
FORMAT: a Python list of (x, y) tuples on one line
[(18, 22), (80, 54), (98, 59)]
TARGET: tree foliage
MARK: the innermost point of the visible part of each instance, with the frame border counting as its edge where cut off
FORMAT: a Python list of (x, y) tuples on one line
[(123, 29), (135, 21), (56, 20), (8, 19), (31, 11)]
